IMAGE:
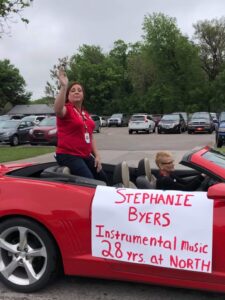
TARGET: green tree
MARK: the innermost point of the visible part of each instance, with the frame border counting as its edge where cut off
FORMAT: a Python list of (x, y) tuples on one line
[(8, 10), (12, 85), (175, 62), (210, 37)]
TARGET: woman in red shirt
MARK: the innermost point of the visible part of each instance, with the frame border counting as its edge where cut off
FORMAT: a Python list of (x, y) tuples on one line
[(76, 147)]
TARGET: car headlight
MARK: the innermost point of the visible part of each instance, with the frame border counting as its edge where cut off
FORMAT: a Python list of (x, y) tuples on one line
[(52, 131), (8, 133), (31, 131)]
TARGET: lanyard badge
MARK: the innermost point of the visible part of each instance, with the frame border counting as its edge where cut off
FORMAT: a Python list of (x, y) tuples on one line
[(87, 137)]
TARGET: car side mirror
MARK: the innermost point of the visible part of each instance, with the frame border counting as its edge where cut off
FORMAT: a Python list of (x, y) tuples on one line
[(216, 191)]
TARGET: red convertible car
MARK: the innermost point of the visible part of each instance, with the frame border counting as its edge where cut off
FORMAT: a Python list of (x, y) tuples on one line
[(52, 221)]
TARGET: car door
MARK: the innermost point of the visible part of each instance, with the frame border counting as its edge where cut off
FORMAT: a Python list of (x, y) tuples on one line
[(23, 130), (198, 262)]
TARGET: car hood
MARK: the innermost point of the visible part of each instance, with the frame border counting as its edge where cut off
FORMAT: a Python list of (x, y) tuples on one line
[(169, 121), (4, 130), (222, 124), (202, 120), (44, 128)]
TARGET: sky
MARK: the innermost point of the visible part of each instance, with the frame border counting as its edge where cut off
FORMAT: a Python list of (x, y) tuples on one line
[(57, 28)]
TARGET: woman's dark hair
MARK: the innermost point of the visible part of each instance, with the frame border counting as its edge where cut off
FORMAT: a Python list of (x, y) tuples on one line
[(70, 86)]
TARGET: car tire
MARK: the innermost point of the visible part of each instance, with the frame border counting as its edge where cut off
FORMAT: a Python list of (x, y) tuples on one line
[(159, 131), (14, 140), (130, 131), (219, 143), (28, 255), (189, 131)]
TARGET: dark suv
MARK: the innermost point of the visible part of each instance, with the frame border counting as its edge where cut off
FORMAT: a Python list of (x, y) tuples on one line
[(220, 130)]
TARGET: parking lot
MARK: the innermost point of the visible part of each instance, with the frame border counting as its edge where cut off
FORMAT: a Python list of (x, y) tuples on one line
[(116, 145)]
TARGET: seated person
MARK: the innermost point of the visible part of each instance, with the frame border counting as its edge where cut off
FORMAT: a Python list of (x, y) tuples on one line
[(167, 180)]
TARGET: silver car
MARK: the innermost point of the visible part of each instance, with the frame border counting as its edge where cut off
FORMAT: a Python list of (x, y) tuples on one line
[(97, 121)]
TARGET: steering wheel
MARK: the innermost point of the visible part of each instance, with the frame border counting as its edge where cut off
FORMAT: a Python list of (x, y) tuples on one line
[(206, 183)]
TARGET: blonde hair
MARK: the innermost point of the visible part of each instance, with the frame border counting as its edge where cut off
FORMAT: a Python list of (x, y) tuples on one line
[(160, 155)]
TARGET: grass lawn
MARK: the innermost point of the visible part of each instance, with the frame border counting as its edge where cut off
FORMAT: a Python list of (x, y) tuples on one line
[(8, 153)]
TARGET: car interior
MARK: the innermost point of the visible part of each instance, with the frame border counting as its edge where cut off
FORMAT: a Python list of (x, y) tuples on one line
[(120, 175)]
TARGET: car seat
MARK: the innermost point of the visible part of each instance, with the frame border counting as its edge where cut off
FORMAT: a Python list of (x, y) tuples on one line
[(62, 170), (121, 176), (145, 178)]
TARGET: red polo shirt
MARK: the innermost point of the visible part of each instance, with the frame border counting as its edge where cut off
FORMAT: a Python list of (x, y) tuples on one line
[(71, 131)]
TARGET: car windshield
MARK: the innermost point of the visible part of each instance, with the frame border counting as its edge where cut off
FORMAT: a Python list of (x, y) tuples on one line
[(200, 116), (9, 124), (4, 118), (137, 118), (170, 118), (48, 122), (215, 157), (117, 116), (222, 116)]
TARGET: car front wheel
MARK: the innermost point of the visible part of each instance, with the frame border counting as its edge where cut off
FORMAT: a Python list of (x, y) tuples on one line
[(14, 141), (27, 255)]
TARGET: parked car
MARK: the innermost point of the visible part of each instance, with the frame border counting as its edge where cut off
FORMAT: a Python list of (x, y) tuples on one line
[(141, 122), (52, 221), (171, 123), (220, 130), (215, 119), (201, 122), (15, 132), (35, 119), (44, 133), (103, 121), (156, 118), (185, 116), (97, 121), (119, 119)]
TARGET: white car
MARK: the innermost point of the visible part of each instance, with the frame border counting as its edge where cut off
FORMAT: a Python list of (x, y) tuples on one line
[(103, 121), (141, 122)]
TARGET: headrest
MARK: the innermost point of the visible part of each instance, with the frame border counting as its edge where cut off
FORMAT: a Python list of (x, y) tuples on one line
[(62, 170), (144, 168), (121, 174)]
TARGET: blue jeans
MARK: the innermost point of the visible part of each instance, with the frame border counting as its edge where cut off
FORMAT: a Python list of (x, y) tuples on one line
[(81, 166)]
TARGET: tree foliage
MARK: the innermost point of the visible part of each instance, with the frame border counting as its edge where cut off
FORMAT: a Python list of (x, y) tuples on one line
[(12, 85), (210, 36), (8, 10), (164, 72)]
